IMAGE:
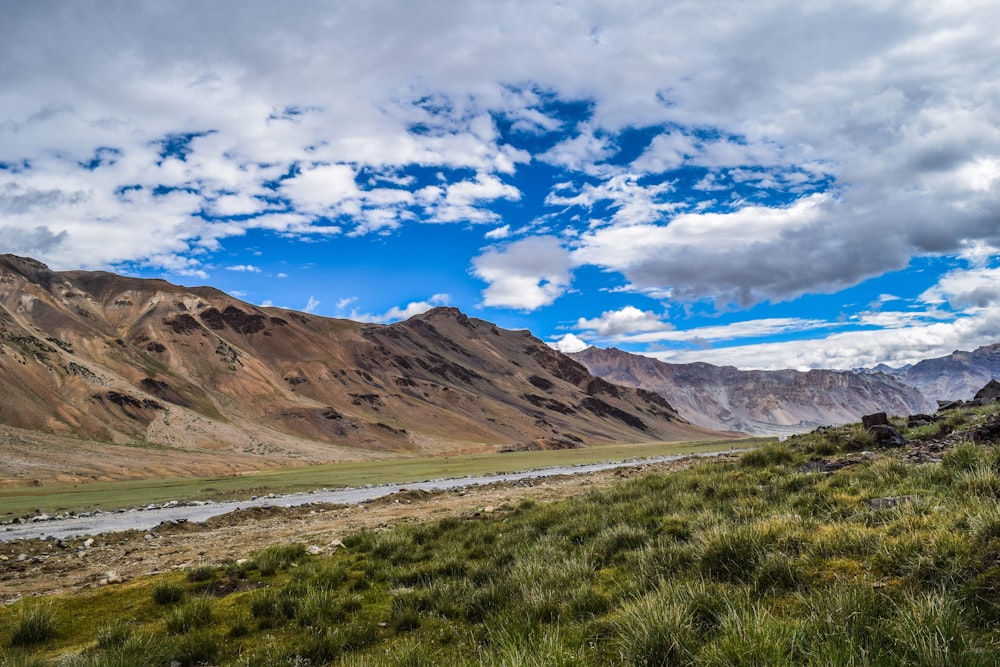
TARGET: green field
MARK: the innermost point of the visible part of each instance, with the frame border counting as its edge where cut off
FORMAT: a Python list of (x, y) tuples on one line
[(19, 501)]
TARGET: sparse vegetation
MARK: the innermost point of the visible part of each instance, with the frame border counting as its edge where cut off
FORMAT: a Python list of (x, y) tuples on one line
[(768, 560)]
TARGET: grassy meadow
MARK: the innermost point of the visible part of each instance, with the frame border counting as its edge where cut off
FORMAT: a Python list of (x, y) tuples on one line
[(763, 561)]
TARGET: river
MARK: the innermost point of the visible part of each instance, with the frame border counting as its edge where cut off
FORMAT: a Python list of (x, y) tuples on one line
[(148, 518)]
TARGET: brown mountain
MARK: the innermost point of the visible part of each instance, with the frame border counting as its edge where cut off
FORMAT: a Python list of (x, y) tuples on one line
[(106, 376), (757, 402)]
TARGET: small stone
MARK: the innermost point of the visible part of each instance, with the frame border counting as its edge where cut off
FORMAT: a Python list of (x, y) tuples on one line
[(314, 550), (89, 542), (890, 502), (148, 537)]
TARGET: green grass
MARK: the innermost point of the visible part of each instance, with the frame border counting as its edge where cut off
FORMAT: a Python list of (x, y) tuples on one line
[(18, 501), (755, 562)]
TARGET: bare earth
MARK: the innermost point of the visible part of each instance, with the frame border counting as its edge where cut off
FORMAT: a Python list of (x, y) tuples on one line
[(40, 567)]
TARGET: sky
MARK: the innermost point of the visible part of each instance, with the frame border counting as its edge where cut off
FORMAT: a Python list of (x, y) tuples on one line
[(768, 184)]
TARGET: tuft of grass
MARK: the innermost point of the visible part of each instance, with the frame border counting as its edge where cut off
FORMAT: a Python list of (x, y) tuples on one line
[(114, 634), (167, 592), (202, 573), (197, 648), (193, 614), (35, 623), (771, 454), (279, 557)]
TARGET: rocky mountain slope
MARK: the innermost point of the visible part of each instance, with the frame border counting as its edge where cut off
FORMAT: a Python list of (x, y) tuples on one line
[(757, 402), (105, 376), (957, 376)]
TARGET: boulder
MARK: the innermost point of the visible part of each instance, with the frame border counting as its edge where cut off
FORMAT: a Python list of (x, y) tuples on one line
[(990, 393), (877, 419), (886, 436), (987, 432), (920, 420)]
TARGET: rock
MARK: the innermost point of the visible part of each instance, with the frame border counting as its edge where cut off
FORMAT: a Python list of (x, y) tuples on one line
[(886, 436), (89, 542), (987, 432), (148, 537), (914, 421), (336, 544), (990, 393), (314, 550), (888, 503), (112, 577), (944, 406), (877, 419)]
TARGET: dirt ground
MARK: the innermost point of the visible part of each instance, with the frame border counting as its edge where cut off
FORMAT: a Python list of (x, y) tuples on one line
[(41, 567)]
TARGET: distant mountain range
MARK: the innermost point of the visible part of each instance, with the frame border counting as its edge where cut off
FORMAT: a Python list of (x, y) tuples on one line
[(107, 377), (104, 377), (758, 402), (957, 376)]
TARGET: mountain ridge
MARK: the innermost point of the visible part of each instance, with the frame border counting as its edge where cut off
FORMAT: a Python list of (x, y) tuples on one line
[(173, 379), (757, 402)]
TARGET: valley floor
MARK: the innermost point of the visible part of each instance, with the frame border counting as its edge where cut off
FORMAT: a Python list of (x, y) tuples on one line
[(39, 567)]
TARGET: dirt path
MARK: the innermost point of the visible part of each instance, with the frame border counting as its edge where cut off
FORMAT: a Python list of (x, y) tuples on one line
[(38, 567)]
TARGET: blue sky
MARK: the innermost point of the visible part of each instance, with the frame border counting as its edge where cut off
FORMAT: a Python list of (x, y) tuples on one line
[(765, 185)]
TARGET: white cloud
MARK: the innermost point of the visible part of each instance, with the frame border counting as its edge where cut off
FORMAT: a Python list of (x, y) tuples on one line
[(524, 275), (627, 320), (244, 268), (318, 189), (397, 313), (484, 188), (760, 328), (633, 203), (311, 305), (852, 349), (498, 233), (976, 288), (569, 344)]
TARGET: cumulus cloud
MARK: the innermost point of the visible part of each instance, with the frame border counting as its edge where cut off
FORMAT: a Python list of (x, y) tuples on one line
[(311, 305), (753, 254), (569, 344), (978, 288), (627, 320), (244, 268), (524, 275), (37, 241)]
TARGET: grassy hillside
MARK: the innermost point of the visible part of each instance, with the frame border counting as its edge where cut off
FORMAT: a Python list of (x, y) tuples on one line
[(776, 559)]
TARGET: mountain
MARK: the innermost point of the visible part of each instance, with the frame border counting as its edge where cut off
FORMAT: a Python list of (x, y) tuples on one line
[(958, 375), (104, 376), (757, 402)]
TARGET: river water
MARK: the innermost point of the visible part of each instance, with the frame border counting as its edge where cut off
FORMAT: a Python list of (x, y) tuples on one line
[(149, 518)]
